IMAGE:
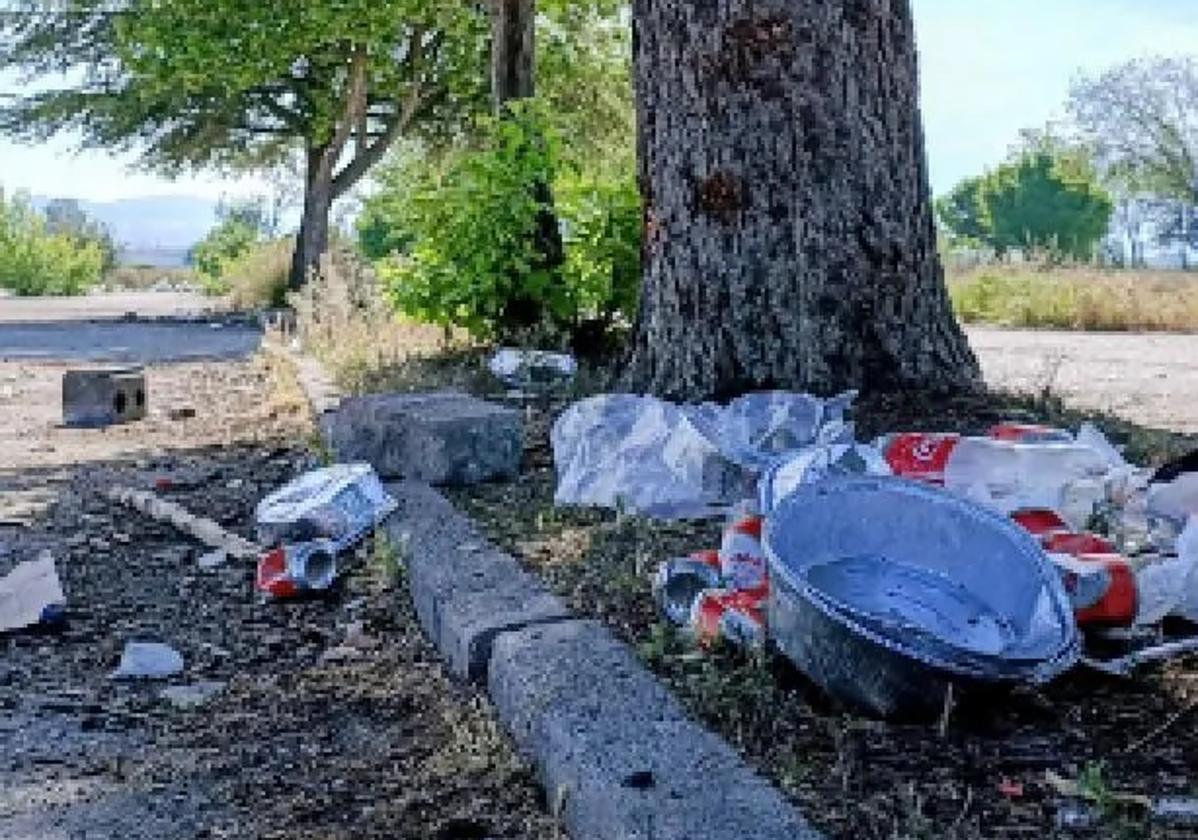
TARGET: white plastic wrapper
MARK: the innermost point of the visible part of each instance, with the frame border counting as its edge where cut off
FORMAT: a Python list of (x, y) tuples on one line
[(654, 457), (521, 368), (337, 504), (816, 464)]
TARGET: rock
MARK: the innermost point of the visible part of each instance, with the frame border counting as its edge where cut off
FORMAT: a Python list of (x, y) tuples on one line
[(148, 660), (191, 696), (442, 437)]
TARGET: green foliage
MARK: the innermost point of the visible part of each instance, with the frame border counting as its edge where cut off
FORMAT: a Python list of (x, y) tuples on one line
[(194, 83), (472, 223), (258, 276), (1044, 202), (65, 216), (963, 212), (1045, 199), (36, 261), (1141, 117), (457, 233), (602, 219), (229, 240)]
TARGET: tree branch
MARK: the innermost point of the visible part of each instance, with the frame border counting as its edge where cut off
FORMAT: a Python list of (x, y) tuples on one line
[(372, 154)]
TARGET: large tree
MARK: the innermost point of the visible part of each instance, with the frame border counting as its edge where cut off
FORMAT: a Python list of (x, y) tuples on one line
[(789, 238), (1141, 118), (228, 83)]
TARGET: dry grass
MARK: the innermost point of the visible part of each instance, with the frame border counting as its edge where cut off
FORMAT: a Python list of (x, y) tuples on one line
[(1078, 298), (343, 318), (258, 278), (141, 277)]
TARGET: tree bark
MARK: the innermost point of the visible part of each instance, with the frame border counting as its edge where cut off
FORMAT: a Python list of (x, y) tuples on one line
[(789, 238), (313, 238), (513, 51)]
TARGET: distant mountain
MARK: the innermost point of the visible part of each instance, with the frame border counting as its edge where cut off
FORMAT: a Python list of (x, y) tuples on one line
[(152, 230)]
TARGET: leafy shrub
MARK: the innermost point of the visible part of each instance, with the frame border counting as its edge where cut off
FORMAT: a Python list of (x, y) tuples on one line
[(34, 261), (457, 236), (258, 277)]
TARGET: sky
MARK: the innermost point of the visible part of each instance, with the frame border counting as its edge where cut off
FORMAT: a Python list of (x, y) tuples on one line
[(989, 68)]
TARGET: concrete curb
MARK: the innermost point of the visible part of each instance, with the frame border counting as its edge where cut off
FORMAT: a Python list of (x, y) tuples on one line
[(618, 756)]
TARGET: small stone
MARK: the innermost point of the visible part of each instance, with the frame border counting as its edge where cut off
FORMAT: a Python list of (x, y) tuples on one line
[(235, 484), (213, 559), (1076, 816), (1176, 811), (99, 544), (123, 539), (191, 696)]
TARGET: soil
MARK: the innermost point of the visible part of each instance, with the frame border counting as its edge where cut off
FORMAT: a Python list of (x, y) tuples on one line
[(332, 716), (985, 775)]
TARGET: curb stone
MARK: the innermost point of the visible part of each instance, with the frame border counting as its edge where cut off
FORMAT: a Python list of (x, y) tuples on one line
[(618, 756)]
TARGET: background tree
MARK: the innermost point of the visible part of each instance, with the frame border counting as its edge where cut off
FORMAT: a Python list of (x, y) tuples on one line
[(1040, 202), (963, 213), (1142, 120), (195, 83), (789, 238), (65, 216)]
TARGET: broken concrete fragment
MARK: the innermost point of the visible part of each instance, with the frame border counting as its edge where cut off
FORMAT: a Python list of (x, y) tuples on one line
[(92, 398), (443, 437)]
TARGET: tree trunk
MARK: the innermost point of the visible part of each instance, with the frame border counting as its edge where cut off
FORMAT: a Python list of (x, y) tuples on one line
[(313, 238), (513, 75), (513, 51), (789, 239)]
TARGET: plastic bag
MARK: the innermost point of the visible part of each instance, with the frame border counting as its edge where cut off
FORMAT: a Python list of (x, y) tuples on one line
[(525, 368), (816, 464), (672, 461)]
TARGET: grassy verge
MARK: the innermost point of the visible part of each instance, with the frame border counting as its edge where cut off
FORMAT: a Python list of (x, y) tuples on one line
[(1077, 298)]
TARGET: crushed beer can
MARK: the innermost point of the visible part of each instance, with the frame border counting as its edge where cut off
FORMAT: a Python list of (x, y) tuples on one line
[(742, 558), (737, 617), (290, 570), (678, 583)]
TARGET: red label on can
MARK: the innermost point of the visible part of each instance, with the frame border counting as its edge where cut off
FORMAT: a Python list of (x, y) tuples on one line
[(1078, 544), (1029, 433), (921, 456)]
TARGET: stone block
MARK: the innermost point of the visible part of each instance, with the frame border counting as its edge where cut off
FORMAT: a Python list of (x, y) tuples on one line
[(443, 437), (465, 592), (617, 754), (103, 397)]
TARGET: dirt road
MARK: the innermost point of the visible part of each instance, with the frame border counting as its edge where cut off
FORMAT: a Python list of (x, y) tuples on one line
[(323, 718), (1151, 379)]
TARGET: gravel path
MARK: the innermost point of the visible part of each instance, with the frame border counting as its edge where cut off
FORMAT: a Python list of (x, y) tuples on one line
[(1151, 379)]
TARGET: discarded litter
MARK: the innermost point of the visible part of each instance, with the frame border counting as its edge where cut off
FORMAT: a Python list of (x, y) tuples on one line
[(148, 660), (679, 583), (31, 594), (338, 504), (654, 457), (530, 368), (289, 570), (815, 464), (312, 520), (884, 592)]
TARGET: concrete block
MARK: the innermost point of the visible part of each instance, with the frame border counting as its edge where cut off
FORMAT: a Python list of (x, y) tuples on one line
[(465, 591), (443, 437), (618, 756), (103, 397)]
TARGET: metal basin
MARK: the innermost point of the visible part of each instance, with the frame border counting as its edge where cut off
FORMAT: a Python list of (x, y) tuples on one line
[(885, 592)]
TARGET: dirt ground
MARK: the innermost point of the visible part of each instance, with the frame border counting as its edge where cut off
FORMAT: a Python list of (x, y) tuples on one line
[(1147, 378), (330, 717)]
